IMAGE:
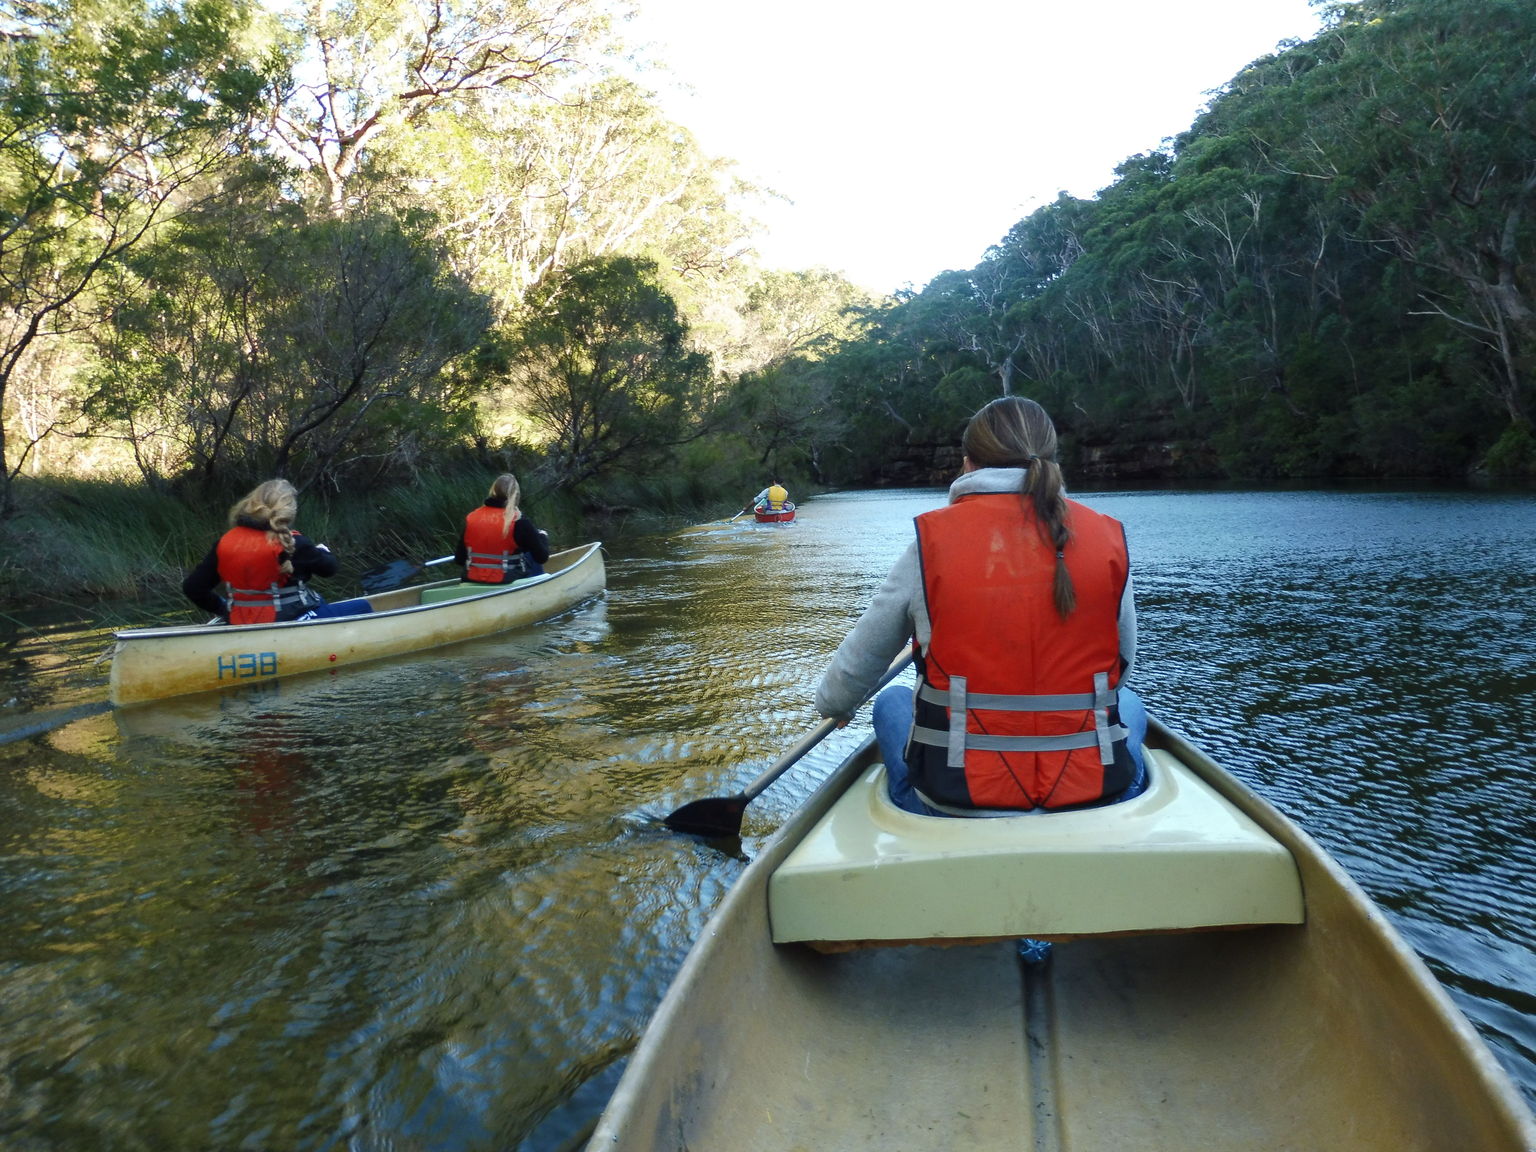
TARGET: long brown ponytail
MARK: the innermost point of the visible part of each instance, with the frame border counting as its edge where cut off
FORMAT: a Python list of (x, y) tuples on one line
[(1012, 432)]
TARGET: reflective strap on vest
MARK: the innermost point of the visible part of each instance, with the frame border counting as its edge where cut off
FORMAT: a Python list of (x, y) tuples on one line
[(277, 597), (1103, 698), (489, 560), (958, 700), (958, 706)]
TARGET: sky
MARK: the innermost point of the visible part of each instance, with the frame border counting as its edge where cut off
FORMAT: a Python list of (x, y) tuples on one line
[(909, 137)]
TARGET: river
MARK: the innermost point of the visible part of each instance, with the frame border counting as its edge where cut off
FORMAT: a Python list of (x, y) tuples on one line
[(426, 904)]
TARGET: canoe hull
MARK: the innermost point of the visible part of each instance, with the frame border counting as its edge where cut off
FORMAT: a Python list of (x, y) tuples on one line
[(154, 663), (1329, 1034), (774, 517)]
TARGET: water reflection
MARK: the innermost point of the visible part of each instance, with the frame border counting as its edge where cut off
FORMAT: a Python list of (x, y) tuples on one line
[(425, 903)]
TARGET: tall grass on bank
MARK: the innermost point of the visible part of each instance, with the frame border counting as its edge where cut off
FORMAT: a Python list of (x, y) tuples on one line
[(77, 541)]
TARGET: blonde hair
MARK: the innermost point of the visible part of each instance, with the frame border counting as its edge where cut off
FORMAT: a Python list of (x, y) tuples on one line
[(1012, 432), (273, 505), (505, 487)]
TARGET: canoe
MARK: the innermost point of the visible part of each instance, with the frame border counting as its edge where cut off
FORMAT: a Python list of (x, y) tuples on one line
[(1217, 982), (153, 663), (783, 517)]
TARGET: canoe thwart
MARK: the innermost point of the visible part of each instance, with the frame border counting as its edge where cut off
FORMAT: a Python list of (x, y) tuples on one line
[(436, 594), (1176, 858)]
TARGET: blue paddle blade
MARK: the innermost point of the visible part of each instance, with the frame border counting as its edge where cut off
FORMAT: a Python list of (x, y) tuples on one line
[(388, 576)]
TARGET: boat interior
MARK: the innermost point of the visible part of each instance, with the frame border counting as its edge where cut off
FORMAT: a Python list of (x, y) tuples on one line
[(440, 591), (1325, 1034)]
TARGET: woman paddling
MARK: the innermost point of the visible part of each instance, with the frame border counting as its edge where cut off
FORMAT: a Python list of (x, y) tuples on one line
[(500, 544), (1020, 606), (266, 565)]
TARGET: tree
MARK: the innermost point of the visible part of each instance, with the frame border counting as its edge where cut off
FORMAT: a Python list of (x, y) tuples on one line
[(369, 67), (111, 121), (523, 188), (263, 342), (1424, 124), (603, 369)]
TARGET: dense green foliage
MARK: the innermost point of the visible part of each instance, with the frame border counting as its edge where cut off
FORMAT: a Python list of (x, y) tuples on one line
[(1330, 273), (352, 244)]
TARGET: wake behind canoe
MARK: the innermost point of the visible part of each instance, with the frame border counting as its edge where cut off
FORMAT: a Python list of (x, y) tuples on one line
[(153, 663), (1326, 1034)]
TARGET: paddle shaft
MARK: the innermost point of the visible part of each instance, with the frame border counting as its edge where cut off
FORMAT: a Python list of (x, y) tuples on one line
[(721, 815), (820, 732)]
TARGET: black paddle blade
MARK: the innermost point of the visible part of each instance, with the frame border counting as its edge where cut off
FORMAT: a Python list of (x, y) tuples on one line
[(716, 816), (388, 576)]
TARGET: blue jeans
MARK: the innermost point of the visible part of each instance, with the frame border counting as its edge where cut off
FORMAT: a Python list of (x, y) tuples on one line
[(325, 611), (893, 724)]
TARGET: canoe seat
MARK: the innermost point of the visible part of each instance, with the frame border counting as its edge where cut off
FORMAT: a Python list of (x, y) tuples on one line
[(436, 595), (1175, 858)]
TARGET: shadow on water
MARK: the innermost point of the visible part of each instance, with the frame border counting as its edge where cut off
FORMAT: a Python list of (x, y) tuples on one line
[(427, 903)]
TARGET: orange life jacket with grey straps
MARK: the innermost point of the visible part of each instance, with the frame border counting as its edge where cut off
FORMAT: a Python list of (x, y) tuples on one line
[(1016, 706), (251, 565), (492, 555)]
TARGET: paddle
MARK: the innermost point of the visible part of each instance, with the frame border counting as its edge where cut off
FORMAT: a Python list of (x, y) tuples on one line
[(721, 815), (395, 573)]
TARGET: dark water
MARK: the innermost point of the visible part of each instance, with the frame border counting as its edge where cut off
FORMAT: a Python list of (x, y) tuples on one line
[(424, 904)]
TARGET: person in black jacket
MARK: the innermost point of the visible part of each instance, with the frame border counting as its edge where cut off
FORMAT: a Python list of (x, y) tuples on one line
[(499, 543), (265, 565)]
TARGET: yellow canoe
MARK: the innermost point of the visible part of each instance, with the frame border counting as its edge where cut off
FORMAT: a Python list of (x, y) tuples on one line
[(1304, 1022), (153, 663)]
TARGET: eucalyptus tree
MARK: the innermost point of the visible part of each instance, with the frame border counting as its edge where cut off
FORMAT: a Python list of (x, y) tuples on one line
[(784, 399), (113, 118), (265, 341), (797, 313), (366, 69), (999, 325), (602, 369), (523, 187), (1424, 128)]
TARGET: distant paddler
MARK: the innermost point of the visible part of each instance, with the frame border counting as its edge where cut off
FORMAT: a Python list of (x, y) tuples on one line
[(774, 498)]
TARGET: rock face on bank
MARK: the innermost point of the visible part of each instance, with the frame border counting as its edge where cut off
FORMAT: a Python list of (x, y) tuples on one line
[(935, 465)]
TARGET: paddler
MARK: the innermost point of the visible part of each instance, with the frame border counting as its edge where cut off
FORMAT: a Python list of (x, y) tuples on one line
[(774, 498), (265, 564), (500, 544), (1019, 607)]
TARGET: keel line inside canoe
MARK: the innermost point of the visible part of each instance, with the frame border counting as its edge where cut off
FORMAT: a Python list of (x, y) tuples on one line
[(1040, 1052)]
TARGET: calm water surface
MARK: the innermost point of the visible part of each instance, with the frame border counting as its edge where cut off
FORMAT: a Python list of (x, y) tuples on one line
[(425, 904)]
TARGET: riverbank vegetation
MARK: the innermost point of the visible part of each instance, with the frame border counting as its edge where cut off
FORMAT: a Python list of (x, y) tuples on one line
[(380, 253)]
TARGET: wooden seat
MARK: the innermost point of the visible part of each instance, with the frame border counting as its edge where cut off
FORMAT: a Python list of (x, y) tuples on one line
[(1177, 857)]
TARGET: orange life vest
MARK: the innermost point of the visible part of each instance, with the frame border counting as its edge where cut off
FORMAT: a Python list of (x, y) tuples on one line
[(250, 564), (1016, 707), (492, 554)]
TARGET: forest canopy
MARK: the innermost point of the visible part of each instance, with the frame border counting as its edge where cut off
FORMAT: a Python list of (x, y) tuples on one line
[(344, 241)]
